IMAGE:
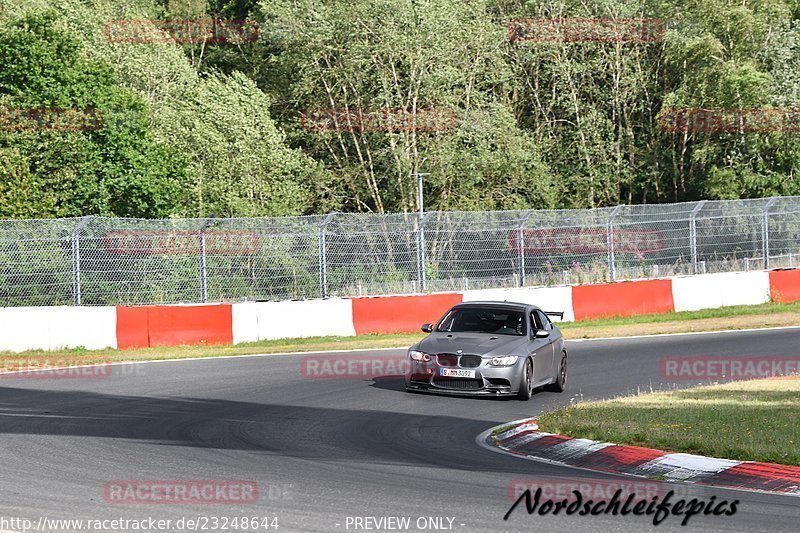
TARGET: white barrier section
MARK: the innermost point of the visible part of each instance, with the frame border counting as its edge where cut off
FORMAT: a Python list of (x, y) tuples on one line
[(54, 328), (91, 327), (547, 298), (710, 291), (245, 322), (254, 321), (24, 328)]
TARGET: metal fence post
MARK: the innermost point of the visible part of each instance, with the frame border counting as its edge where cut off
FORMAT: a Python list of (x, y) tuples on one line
[(612, 266), (765, 231), (323, 258), (203, 273), (521, 250), (693, 233), (76, 260), (421, 274)]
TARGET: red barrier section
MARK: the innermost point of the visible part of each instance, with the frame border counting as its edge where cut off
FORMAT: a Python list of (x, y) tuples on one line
[(203, 324), (167, 325), (622, 299), (784, 285), (400, 314), (132, 328)]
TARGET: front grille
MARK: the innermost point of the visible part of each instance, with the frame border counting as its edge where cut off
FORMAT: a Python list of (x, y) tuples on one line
[(447, 360), (459, 384), (470, 361), (465, 361)]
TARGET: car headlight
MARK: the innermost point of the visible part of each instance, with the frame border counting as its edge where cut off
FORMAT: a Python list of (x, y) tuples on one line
[(419, 356), (506, 360)]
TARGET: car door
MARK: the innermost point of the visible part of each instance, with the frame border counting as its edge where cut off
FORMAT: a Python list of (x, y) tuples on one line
[(543, 348), (550, 349)]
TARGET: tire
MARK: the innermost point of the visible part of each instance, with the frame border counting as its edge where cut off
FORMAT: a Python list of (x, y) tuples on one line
[(561, 379), (525, 386)]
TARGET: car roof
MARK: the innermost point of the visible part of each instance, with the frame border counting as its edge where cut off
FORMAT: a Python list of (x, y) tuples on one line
[(507, 305)]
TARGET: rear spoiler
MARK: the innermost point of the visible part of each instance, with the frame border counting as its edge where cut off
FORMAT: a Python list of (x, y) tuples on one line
[(559, 314)]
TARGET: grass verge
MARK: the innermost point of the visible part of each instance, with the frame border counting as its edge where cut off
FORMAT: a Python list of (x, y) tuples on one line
[(78, 356), (753, 420), (742, 317), (723, 318)]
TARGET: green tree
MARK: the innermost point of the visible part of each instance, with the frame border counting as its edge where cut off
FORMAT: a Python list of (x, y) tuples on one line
[(110, 167), (399, 55)]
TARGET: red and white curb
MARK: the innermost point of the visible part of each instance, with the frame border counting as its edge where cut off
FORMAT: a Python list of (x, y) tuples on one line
[(523, 438)]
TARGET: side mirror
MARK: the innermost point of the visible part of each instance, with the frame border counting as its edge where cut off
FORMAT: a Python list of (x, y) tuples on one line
[(427, 328), (541, 334)]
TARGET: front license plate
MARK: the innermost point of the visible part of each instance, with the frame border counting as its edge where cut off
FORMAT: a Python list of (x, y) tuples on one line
[(456, 373)]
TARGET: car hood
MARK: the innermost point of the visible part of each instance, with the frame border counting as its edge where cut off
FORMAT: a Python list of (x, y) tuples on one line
[(470, 343)]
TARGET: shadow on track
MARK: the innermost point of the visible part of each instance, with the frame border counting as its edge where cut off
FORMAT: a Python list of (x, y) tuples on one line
[(325, 433)]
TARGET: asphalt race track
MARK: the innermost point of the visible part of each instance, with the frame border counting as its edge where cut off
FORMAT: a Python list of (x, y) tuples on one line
[(325, 449)]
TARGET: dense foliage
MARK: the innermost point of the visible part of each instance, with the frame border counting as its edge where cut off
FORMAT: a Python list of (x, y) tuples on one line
[(196, 128)]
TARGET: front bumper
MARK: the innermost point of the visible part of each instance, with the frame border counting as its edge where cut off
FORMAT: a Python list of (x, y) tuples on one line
[(488, 380)]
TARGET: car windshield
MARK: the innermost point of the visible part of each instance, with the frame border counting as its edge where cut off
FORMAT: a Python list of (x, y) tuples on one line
[(484, 320)]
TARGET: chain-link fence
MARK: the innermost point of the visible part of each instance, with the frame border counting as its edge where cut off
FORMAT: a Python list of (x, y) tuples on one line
[(98, 261)]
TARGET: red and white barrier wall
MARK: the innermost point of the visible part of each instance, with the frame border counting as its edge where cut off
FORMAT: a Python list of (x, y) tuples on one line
[(52, 328)]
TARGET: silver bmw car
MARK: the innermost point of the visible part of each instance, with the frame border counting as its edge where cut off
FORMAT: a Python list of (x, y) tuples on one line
[(489, 349)]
